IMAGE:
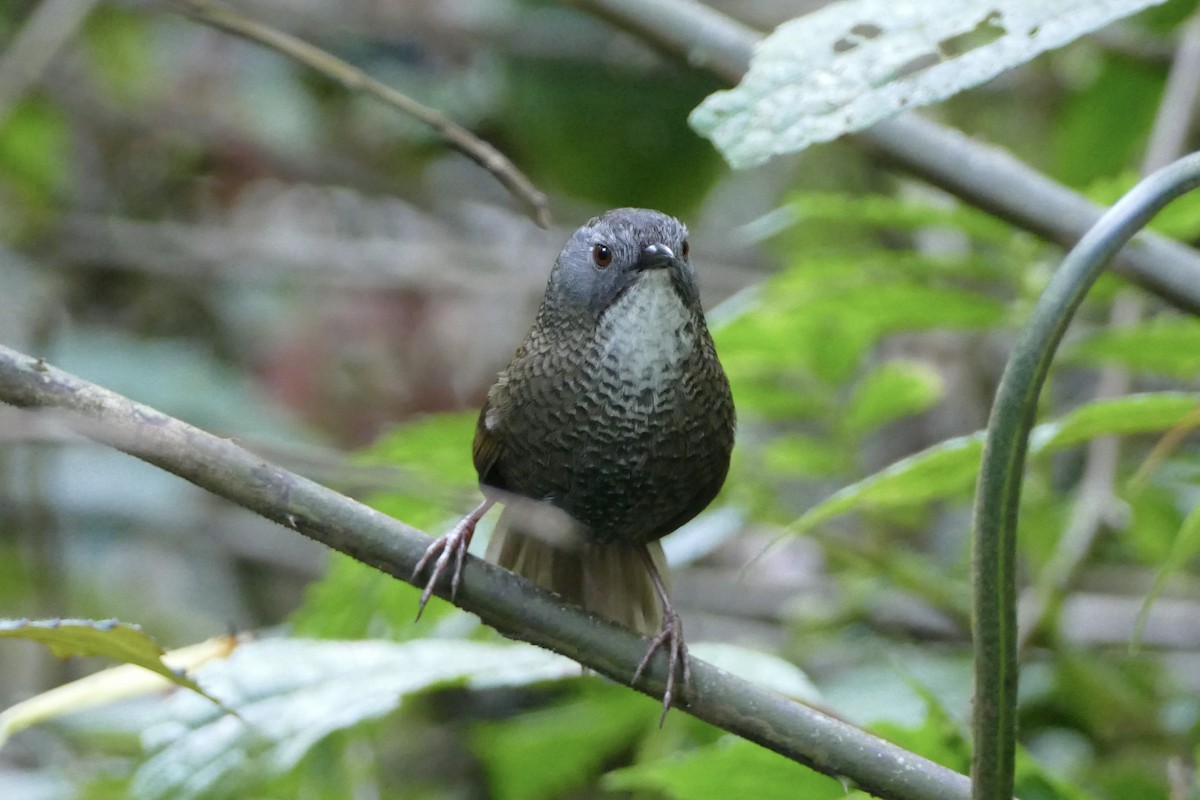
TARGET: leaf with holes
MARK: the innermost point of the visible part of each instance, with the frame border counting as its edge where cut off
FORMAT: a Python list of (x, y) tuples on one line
[(851, 64)]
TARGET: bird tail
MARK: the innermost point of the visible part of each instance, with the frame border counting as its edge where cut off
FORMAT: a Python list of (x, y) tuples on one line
[(610, 579)]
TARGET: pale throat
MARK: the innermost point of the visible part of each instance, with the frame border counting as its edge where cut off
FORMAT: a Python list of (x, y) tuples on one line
[(648, 335)]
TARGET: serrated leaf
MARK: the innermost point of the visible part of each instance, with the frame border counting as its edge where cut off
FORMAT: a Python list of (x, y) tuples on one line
[(732, 767), (1165, 346), (851, 64), (105, 638), (892, 390), (292, 693)]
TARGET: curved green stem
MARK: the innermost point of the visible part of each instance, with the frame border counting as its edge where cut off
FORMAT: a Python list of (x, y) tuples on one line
[(999, 491)]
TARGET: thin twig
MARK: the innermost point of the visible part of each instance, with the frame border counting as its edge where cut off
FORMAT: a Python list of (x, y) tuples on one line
[(356, 80)]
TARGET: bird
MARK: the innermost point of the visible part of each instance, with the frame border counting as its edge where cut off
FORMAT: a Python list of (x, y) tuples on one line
[(611, 427)]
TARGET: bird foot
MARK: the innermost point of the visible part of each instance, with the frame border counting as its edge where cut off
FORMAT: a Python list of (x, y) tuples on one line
[(443, 550), (670, 638)]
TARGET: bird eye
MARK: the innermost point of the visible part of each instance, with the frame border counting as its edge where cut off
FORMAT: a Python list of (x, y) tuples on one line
[(602, 255), (685, 249)]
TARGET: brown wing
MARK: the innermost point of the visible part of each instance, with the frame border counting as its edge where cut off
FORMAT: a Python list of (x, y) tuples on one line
[(487, 447)]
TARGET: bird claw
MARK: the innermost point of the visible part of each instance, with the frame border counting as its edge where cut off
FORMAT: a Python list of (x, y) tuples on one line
[(452, 546), (670, 636)]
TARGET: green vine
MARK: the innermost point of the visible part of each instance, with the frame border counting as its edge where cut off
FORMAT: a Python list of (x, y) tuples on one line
[(999, 490)]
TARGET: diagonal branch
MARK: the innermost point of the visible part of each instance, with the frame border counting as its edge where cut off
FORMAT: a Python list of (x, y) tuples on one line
[(984, 176), (356, 80), (511, 605)]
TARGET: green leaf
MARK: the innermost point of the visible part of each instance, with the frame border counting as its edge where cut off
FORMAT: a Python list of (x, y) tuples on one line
[(942, 739), (1183, 549), (1124, 92), (435, 478), (435, 447), (144, 671), (892, 390), (1154, 522), (1035, 782), (806, 456), (355, 601), (732, 767), (829, 325), (887, 212), (1134, 413), (35, 151), (105, 638), (550, 125), (949, 468), (904, 307), (119, 48), (851, 64), (434, 483), (1163, 346), (946, 469), (292, 693), (548, 753)]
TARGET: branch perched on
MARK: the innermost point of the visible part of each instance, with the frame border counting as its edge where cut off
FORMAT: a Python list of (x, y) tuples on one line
[(502, 600)]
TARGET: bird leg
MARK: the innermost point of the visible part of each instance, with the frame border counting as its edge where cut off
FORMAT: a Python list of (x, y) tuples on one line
[(670, 636), (451, 546)]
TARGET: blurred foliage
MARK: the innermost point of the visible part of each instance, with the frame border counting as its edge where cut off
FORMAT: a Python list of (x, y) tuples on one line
[(205, 227), (1126, 93), (576, 122)]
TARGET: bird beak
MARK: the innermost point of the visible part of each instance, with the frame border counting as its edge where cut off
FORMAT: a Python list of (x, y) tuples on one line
[(655, 256)]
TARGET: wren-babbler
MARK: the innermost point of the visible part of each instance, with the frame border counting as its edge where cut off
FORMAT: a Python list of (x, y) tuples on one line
[(614, 410)]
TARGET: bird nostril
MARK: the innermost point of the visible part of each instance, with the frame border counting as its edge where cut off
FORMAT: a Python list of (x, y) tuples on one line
[(658, 249)]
